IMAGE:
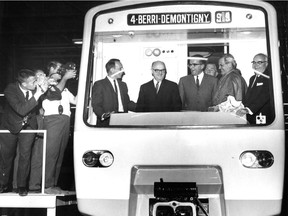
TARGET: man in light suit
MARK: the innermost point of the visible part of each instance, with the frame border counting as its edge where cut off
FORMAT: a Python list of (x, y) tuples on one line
[(159, 94), (197, 89), (19, 114), (257, 100), (110, 95)]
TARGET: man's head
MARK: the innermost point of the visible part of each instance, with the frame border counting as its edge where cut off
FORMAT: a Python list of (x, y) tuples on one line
[(211, 69), (260, 62), (196, 64), (27, 80), (114, 69), (39, 73), (53, 68), (158, 70), (227, 63)]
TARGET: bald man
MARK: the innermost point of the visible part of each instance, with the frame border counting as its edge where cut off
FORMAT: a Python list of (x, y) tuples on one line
[(257, 100), (231, 83), (159, 94)]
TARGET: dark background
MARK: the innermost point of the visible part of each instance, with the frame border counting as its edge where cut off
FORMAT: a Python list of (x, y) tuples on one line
[(32, 33)]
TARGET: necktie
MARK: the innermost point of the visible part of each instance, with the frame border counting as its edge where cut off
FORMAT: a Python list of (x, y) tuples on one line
[(116, 91), (197, 82), (254, 82), (27, 95), (115, 87), (157, 87)]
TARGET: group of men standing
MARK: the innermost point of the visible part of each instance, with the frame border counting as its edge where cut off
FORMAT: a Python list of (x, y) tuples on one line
[(197, 91), (35, 101)]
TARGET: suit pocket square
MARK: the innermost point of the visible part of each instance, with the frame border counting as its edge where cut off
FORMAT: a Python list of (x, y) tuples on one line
[(259, 84)]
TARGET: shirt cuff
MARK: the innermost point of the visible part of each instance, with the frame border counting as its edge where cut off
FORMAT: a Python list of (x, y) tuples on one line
[(102, 117), (249, 111)]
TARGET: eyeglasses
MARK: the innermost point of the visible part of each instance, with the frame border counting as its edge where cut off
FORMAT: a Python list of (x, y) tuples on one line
[(258, 62), (194, 65), (159, 71)]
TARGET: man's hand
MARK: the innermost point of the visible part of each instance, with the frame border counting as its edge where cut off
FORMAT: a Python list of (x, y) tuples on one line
[(106, 115), (70, 74), (213, 109), (42, 88), (242, 112)]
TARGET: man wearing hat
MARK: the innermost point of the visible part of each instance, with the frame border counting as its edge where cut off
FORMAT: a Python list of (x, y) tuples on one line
[(197, 89)]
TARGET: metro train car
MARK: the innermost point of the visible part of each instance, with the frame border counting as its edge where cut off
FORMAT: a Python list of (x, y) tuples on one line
[(184, 162)]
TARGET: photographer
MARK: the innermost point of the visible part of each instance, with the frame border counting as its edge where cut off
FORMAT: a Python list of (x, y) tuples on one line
[(57, 123), (20, 114)]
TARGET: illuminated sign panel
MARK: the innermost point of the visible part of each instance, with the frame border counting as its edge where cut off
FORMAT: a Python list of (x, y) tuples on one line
[(223, 17), (169, 18)]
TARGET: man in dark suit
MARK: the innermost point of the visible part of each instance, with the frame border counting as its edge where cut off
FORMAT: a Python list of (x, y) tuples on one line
[(19, 114), (257, 100), (197, 89), (159, 94), (110, 95)]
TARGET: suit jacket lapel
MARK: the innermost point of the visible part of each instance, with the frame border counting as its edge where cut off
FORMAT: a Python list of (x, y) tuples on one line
[(108, 83), (192, 81), (20, 93), (151, 87)]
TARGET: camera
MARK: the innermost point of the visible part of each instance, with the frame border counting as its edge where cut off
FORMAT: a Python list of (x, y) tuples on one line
[(68, 66)]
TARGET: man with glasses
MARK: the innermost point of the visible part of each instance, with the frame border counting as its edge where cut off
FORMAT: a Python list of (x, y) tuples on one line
[(197, 89), (159, 94), (231, 82), (257, 100)]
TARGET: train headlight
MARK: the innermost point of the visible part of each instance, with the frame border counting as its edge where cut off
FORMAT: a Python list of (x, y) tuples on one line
[(257, 159), (96, 158), (106, 159), (90, 159)]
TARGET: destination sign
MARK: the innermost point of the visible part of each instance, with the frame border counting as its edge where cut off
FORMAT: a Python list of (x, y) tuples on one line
[(169, 18)]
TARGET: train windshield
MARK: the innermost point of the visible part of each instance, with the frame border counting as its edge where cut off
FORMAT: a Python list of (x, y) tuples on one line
[(183, 39)]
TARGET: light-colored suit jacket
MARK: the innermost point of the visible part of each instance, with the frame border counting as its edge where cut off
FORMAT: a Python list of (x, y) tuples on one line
[(197, 99)]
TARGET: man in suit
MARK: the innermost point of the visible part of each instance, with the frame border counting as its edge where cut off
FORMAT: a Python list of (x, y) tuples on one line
[(56, 121), (231, 83), (19, 114), (159, 94), (110, 95), (257, 100), (197, 89)]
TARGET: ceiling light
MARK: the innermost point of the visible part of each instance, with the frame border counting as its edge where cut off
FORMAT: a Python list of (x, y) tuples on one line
[(77, 41)]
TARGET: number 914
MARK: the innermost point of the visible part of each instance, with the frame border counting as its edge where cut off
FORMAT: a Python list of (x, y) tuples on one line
[(223, 17)]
